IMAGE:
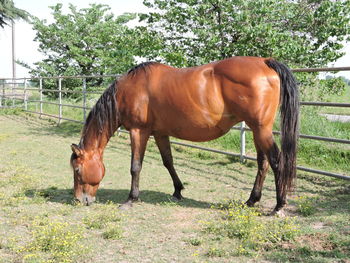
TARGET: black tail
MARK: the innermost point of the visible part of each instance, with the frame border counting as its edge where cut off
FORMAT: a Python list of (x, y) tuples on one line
[(289, 100)]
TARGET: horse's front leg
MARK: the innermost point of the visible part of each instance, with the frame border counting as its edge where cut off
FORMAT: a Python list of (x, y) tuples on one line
[(139, 138)]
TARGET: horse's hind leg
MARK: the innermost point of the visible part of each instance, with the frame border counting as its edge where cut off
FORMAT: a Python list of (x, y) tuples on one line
[(163, 144), (263, 139), (139, 140), (263, 166)]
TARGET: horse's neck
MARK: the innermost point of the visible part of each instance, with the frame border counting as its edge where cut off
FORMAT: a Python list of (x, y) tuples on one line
[(94, 140)]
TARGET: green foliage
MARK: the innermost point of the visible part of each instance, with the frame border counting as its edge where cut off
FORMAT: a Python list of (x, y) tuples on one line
[(247, 226), (312, 88), (9, 12), (89, 41), (300, 33), (333, 86)]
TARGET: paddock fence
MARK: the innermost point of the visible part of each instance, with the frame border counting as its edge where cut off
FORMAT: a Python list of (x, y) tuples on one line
[(34, 95)]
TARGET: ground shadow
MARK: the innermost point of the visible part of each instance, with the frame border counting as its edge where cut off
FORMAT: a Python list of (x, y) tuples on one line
[(65, 196), (65, 129), (190, 162)]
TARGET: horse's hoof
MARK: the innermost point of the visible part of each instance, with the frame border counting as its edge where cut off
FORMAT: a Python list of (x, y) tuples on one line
[(177, 197), (249, 203), (127, 205), (278, 213)]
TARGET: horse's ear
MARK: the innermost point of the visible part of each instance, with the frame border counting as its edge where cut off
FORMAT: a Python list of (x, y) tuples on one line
[(77, 150)]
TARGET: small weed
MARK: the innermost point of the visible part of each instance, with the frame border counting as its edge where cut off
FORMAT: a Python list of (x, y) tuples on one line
[(112, 232), (99, 220), (306, 205), (215, 252), (194, 241), (47, 193), (204, 155), (169, 203)]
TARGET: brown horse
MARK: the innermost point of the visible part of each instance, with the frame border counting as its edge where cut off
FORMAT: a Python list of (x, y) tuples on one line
[(197, 104)]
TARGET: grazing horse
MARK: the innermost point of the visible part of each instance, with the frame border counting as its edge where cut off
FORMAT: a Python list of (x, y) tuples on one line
[(196, 104)]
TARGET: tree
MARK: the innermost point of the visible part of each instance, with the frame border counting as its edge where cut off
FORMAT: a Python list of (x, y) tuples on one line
[(84, 42), (88, 41), (8, 12), (298, 32)]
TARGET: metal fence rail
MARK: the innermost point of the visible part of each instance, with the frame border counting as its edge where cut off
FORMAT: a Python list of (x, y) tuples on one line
[(10, 97)]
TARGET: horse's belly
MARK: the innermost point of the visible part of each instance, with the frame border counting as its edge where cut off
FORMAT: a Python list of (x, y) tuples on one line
[(200, 135), (198, 132)]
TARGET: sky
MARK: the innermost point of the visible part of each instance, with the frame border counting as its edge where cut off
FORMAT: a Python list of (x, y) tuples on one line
[(26, 47)]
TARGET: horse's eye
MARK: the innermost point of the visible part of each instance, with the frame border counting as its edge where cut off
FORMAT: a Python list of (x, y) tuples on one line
[(77, 170)]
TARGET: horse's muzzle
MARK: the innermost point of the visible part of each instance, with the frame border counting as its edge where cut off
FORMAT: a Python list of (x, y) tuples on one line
[(86, 199)]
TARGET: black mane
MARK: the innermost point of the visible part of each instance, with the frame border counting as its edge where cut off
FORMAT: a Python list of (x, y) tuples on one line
[(142, 66), (104, 113)]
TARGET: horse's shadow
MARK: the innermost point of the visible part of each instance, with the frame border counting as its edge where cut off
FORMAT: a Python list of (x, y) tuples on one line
[(65, 196)]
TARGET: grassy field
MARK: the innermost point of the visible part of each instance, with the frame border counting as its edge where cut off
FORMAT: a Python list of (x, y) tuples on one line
[(40, 222)]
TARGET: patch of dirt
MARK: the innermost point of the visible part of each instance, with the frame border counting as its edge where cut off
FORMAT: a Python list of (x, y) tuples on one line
[(316, 242), (184, 219), (318, 225)]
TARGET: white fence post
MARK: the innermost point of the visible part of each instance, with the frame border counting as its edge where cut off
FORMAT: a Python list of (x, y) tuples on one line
[(2, 94), (13, 92), (242, 131), (25, 95), (84, 98), (41, 96), (59, 100)]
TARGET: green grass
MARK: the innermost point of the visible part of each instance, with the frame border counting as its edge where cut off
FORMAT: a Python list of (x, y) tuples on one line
[(40, 222)]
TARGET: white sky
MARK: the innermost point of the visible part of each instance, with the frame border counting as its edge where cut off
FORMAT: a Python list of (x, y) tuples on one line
[(26, 48)]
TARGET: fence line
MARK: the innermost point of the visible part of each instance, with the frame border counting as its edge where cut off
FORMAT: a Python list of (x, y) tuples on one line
[(242, 128)]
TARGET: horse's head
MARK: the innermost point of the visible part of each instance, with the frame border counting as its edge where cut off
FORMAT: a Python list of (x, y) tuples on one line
[(88, 171)]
